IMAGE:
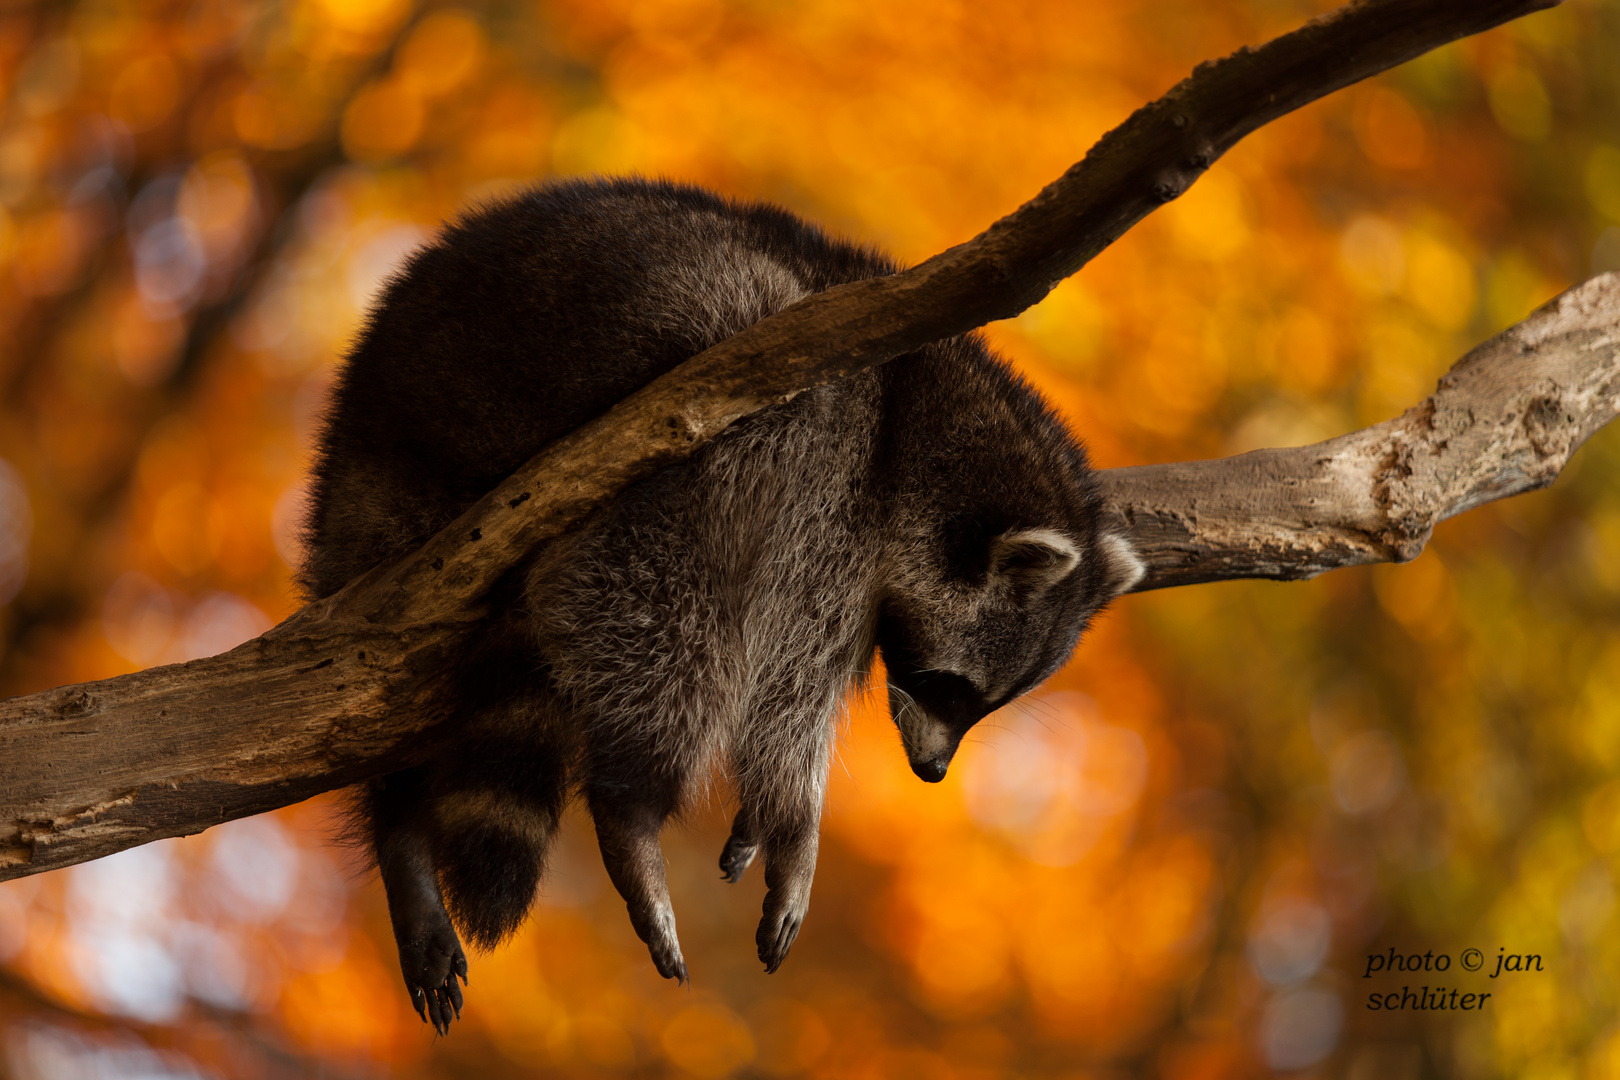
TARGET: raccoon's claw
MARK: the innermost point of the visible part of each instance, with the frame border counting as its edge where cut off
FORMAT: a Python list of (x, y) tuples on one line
[(669, 962), (431, 962), (442, 1001), (450, 993), (736, 857), (775, 937), (658, 931), (438, 1005)]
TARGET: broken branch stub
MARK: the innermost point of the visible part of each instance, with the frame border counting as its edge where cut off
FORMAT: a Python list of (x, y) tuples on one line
[(1503, 420)]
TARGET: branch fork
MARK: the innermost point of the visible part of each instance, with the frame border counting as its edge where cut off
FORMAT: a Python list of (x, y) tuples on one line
[(1504, 420)]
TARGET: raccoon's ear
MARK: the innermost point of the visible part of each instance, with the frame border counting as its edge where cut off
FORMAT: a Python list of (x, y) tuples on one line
[(1122, 567), (1034, 558)]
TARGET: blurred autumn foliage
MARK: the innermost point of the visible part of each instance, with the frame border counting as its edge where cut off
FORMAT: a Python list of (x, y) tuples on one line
[(1173, 861)]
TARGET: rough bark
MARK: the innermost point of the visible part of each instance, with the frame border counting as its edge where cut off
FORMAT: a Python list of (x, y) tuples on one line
[(345, 688)]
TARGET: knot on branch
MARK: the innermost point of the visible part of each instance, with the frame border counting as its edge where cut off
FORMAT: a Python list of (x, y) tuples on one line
[(1201, 157), (1171, 183), (681, 430), (73, 701), (1549, 426), (1409, 522)]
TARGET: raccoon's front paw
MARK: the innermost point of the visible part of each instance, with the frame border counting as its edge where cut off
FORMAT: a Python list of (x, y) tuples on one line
[(666, 957), (431, 959), (736, 857), (777, 930)]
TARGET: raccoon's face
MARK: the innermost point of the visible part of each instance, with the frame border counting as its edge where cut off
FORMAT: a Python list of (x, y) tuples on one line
[(960, 641)]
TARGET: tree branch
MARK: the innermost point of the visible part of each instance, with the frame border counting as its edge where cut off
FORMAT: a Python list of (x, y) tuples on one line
[(345, 688), (1503, 421)]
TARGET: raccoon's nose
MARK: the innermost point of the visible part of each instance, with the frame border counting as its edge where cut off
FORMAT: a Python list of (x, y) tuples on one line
[(932, 771)]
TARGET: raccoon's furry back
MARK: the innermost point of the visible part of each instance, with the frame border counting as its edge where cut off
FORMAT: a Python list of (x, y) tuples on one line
[(521, 322)]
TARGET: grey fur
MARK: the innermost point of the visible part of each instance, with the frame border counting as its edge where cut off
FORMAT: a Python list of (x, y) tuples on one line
[(712, 619)]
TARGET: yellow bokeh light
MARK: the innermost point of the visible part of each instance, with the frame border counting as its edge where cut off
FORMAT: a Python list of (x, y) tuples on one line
[(1211, 221), (179, 528), (1440, 280), (1520, 103), (145, 92), (1418, 595), (262, 119), (219, 199), (1602, 176), (1402, 362), (599, 140), (145, 346), (1513, 286), (442, 52), (1306, 350), (364, 18), (707, 1040), (1390, 130), (1373, 253), (50, 251), (383, 121)]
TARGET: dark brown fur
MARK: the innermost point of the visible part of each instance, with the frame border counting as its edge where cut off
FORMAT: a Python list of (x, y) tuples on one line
[(714, 616)]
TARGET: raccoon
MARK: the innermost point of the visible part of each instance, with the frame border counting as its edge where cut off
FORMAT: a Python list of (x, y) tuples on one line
[(714, 616)]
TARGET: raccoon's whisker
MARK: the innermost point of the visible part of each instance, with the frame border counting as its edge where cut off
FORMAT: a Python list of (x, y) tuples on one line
[(1044, 713), (907, 702), (991, 723)]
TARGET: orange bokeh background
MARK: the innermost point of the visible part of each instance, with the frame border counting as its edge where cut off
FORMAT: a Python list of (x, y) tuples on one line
[(1173, 861)]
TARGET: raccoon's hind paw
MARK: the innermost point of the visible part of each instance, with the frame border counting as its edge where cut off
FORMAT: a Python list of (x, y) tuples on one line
[(777, 932), (736, 857), (434, 1006), (431, 963)]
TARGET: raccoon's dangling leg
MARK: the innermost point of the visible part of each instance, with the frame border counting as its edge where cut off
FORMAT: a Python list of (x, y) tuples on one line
[(790, 869), (781, 783), (627, 829), (430, 954)]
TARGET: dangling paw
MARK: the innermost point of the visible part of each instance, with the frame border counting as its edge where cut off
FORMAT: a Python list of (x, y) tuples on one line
[(662, 944), (431, 961), (777, 931), (736, 857)]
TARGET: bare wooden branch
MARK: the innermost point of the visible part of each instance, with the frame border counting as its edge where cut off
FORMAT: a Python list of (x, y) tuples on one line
[(1504, 420), (345, 688)]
